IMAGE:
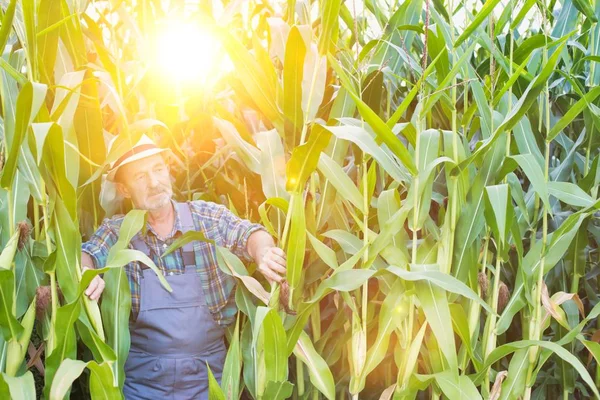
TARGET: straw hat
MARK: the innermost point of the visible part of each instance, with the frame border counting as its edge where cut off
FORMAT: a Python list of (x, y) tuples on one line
[(145, 147)]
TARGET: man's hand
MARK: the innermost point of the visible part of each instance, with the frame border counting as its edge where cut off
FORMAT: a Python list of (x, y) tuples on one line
[(94, 290), (272, 264), (271, 260)]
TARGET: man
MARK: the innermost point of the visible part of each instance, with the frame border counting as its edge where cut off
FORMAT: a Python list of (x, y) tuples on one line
[(174, 335)]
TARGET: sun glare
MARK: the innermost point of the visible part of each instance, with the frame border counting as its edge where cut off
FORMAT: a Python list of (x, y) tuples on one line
[(187, 53)]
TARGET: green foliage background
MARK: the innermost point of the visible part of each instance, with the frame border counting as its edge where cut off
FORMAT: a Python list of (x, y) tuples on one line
[(430, 167)]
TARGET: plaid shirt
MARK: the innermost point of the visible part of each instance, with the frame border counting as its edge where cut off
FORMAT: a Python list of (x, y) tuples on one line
[(217, 223)]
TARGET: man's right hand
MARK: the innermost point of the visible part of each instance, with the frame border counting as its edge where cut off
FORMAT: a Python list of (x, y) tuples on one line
[(96, 287)]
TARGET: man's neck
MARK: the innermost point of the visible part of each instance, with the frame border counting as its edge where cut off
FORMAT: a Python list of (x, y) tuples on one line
[(162, 219)]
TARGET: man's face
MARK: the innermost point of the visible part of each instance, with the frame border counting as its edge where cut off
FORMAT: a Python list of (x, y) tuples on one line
[(146, 182)]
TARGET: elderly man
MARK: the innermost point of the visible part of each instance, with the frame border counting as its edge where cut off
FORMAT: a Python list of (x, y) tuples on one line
[(174, 335)]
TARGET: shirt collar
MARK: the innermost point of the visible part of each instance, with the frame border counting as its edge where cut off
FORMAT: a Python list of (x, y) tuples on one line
[(177, 227)]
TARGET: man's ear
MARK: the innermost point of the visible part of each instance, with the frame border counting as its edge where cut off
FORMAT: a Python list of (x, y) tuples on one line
[(122, 190)]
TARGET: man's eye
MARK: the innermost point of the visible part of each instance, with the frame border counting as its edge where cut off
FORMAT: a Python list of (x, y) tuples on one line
[(139, 177)]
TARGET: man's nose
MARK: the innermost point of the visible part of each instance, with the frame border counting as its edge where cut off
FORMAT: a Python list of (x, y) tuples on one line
[(154, 181)]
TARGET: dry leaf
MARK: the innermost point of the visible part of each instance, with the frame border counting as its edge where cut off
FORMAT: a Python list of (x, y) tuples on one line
[(388, 393), (483, 284), (497, 388)]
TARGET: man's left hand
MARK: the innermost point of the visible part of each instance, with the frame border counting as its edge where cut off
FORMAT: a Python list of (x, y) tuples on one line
[(272, 263)]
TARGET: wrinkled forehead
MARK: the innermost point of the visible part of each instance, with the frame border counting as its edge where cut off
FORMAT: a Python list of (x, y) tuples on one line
[(142, 165)]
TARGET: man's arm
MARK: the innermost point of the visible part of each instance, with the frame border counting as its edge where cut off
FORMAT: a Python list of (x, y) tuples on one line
[(94, 253), (271, 260), (246, 240)]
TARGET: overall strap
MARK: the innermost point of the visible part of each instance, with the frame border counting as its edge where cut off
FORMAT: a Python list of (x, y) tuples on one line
[(187, 224), (139, 243)]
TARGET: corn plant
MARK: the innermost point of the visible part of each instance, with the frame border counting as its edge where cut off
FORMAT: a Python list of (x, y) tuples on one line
[(430, 168)]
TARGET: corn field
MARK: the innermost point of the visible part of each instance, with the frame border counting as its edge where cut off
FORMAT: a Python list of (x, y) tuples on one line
[(430, 167)]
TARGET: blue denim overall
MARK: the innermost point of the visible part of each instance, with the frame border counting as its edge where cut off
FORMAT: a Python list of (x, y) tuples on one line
[(174, 336)]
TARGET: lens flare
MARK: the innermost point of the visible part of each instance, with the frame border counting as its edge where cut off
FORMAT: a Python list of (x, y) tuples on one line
[(186, 52)]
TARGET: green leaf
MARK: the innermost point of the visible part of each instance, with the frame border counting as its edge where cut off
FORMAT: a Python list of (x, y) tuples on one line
[(535, 175), (249, 154), (559, 242), (296, 243), (269, 341), (101, 350), (188, 237), (439, 279), (348, 241), (410, 361), (65, 347), (68, 247), (272, 164), (384, 134), (20, 387), (278, 390), (573, 111), (305, 159), (7, 22), (100, 379), (133, 222), (515, 382), (230, 264), (429, 142), (232, 369), (340, 181), (330, 14), (72, 36), (320, 374), (214, 391), (519, 109), (459, 65), (324, 252), (124, 257), (570, 193), (471, 220), (54, 161), (116, 308), (68, 371), (17, 348), (343, 281), (499, 212), (29, 26), (502, 351), (461, 328), (481, 16), (29, 101), (313, 82), (256, 80), (460, 387), (586, 9), (11, 328), (388, 204), (362, 139), (435, 306), (393, 312), (7, 255)]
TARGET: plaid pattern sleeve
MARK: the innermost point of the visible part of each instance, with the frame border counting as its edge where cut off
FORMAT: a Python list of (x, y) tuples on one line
[(100, 243), (98, 247), (225, 228)]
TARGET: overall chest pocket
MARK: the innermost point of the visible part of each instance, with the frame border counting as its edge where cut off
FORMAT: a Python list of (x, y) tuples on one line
[(186, 291)]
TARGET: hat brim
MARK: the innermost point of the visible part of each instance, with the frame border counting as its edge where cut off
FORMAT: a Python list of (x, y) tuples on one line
[(147, 153)]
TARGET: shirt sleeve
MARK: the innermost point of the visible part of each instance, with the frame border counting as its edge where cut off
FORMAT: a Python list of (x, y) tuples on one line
[(228, 230), (99, 244), (235, 232)]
